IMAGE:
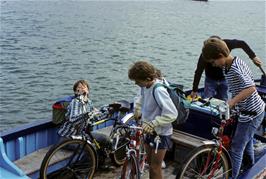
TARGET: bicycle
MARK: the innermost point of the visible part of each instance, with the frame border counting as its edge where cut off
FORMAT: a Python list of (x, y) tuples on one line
[(79, 156), (136, 158), (212, 159)]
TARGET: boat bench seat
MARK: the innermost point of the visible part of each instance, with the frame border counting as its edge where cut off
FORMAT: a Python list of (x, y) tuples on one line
[(184, 144), (187, 140)]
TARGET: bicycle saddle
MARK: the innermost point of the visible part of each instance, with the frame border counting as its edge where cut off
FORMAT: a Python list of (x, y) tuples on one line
[(122, 105)]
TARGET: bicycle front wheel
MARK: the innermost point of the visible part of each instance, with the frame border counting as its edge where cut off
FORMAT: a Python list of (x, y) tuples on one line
[(70, 159), (119, 155), (201, 163), (130, 169)]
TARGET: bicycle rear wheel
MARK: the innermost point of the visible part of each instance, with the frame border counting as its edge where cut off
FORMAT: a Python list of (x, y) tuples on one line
[(201, 163), (130, 169), (69, 159)]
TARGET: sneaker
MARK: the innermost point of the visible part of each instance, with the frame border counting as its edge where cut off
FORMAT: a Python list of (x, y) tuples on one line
[(106, 168), (264, 134), (259, 147), (163, 165), (256, 142)]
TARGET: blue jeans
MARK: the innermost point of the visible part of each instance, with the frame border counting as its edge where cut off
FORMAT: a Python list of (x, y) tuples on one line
[(243, 141), (217, 89)]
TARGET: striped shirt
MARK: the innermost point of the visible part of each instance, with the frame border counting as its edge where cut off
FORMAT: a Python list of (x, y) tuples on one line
[(75, 121), (239, 77)]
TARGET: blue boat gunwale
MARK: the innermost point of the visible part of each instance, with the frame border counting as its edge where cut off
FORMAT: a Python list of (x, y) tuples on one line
[(26, 129)]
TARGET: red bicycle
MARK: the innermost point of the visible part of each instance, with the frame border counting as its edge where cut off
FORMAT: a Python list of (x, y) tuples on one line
[(136, 158), (212, 159)]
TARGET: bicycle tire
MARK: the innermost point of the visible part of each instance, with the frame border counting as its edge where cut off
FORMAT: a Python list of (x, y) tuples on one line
[(119, 155), (130, 169), (142, 158), (69, 159), (193, 165)]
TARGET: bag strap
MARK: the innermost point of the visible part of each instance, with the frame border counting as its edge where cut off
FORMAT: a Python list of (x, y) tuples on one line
[(153, 91), (170, 87), (178, 88)]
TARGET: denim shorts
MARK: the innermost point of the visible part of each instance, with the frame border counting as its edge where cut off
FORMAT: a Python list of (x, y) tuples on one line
[(166, 142)]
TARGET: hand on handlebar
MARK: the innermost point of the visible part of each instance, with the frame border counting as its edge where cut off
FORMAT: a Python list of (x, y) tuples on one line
[(88, 115), (137, 115), (231, 103), (257, 61), (148, 127)]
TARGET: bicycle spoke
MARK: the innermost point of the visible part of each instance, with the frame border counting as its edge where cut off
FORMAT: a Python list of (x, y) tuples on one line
[(201, 165), (70, 159)]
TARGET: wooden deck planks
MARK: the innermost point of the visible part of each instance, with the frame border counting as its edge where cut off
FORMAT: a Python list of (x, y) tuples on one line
[(32, 162)]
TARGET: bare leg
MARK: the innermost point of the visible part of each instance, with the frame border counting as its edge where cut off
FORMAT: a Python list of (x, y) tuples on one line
[(156, 164)]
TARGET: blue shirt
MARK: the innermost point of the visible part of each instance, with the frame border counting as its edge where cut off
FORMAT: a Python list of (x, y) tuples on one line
[(75, 122)]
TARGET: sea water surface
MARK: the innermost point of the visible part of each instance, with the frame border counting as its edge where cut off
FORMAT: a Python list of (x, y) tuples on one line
[(47, 45)]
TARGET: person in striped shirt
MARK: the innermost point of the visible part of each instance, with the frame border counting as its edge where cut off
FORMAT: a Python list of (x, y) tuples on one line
[(79, 108), (215, 84), (244, 97)]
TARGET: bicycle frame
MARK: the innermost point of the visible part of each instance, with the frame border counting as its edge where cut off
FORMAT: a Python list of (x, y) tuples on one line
[(134, 149), (222, 141), (92, 141), (135, 138)]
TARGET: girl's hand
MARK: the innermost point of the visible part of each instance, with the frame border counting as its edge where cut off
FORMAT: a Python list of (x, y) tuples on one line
[(82, 90), (148, 127), (137, 114)]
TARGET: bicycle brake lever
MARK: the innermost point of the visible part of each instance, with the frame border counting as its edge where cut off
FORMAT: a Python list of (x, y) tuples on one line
[(157, 140)]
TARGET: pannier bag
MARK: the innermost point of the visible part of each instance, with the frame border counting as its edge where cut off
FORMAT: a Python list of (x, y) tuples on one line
[(60, 109)]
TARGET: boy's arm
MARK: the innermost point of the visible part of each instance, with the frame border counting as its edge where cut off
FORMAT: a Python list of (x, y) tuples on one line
[(241, 96), (198, 73), (232, 44)]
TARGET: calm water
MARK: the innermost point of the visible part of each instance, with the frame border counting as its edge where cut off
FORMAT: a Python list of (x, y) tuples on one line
[(46, 46)]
